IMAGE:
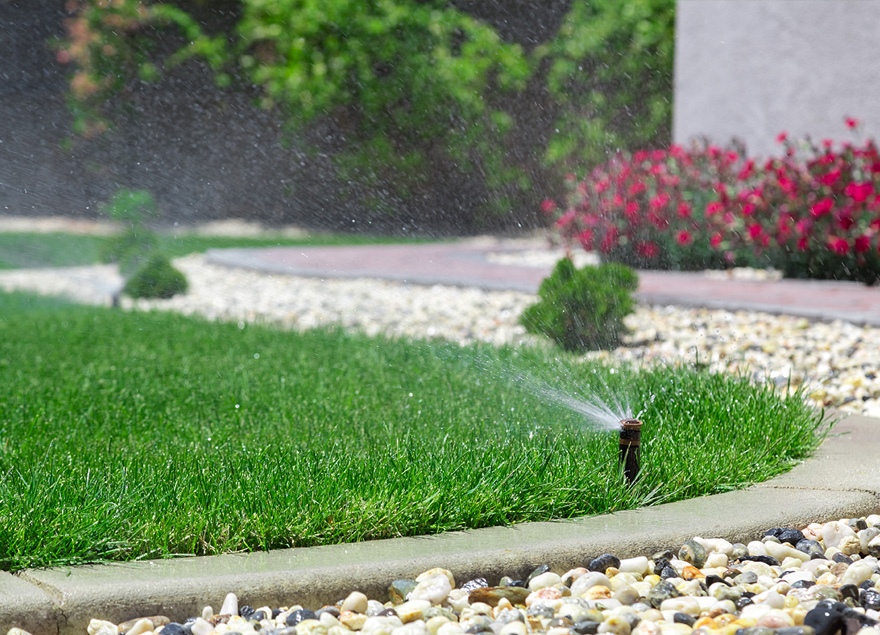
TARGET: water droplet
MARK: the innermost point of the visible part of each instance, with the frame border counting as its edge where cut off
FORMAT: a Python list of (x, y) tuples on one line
[(237, 406), (256, 356)]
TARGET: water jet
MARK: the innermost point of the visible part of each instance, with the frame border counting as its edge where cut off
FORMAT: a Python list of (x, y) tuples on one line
[(630, 442)]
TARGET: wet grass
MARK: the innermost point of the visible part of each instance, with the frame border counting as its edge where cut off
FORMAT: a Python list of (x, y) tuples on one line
[(148, 435), (32, 250)]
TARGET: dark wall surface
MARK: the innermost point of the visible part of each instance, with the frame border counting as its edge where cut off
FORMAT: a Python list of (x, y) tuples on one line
[(203, 152)]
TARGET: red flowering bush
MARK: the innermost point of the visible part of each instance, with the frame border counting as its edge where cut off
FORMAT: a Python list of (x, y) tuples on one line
[(819, 211), (660, 209), (813, 213)]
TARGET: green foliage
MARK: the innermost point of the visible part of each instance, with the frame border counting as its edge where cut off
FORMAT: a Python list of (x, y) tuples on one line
[(583, 309), (157, 278), (408, 88), (147, 271), (132, 247), (610, 69)]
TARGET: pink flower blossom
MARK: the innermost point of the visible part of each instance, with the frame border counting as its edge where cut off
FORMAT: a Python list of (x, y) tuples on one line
[(838, 245), (821, 208), (647, 249), (859, 192), (862, 244)]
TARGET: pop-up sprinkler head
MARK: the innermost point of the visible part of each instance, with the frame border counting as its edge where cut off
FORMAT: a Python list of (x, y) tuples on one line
[(630, 440)]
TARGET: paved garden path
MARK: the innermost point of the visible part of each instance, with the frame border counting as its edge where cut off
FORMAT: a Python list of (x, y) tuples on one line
[(483, 265)]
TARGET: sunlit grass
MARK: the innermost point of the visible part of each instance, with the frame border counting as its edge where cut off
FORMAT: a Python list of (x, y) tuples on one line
[(145, 435), (31, 250)]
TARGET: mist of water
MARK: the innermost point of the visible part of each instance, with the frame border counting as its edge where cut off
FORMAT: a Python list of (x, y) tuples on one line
[(601, 407)]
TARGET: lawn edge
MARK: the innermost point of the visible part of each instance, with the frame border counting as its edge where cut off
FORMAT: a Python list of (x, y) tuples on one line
[(837, 482)]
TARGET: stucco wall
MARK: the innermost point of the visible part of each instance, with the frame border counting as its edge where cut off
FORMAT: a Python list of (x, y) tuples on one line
[(751, 69)]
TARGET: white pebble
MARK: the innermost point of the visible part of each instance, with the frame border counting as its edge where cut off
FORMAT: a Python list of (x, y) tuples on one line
[(230, 605)]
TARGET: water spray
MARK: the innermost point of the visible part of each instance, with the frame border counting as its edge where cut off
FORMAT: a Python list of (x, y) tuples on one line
[(630, 440)]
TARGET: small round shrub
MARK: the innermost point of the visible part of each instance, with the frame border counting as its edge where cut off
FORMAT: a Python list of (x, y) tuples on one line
[(583, 309), (156, 279)]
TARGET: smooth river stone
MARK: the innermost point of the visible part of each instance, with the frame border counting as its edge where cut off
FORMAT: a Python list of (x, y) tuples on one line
[(356, 601), (434, 589), (693, 553), (834, 532), (639, 565), (155, 620), (588, 581), (399, 589), (544, 580), (230, 605), (491, 595), (857, 573), (781, 551)]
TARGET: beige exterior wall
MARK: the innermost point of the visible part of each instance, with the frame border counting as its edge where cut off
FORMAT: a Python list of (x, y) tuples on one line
[(751, 69)]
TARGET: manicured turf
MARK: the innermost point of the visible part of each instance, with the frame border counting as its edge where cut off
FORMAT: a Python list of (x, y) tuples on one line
[(25, 250), (145, 435)]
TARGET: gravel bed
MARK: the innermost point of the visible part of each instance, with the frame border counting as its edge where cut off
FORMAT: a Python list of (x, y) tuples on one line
[(818, 580), (836, 362)]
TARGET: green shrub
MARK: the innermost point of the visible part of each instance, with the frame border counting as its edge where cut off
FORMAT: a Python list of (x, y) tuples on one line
[(424, 100), (583, 309), (156, 279), (610, 71), (131, 248)]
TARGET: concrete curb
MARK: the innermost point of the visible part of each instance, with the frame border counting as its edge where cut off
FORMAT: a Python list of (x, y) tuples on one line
[(840, 481)]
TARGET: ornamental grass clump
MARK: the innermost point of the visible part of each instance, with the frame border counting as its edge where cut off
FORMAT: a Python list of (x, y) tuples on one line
[(812, 213), (583, 309)]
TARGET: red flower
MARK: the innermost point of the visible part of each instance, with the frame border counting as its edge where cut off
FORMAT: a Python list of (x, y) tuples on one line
[(781, 137), (565, 219), (684, 238), (862, 244), (859, 191), (748, 209), (609, 240), (657, 220), (548, 206), (838, 245), (851, 123), (659, 201), (586, 239), (802, 243), (636, 188), (830, 178), (755, 231), (684, 210), (647, 249), (631, 211), (715, 241), (713, 208), (821, 208)]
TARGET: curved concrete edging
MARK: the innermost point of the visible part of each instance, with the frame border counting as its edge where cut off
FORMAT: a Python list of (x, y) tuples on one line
[(842, 480)]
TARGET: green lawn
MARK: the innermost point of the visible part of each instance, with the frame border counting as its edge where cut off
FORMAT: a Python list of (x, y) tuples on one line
[(25, 250), (144, 435)]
